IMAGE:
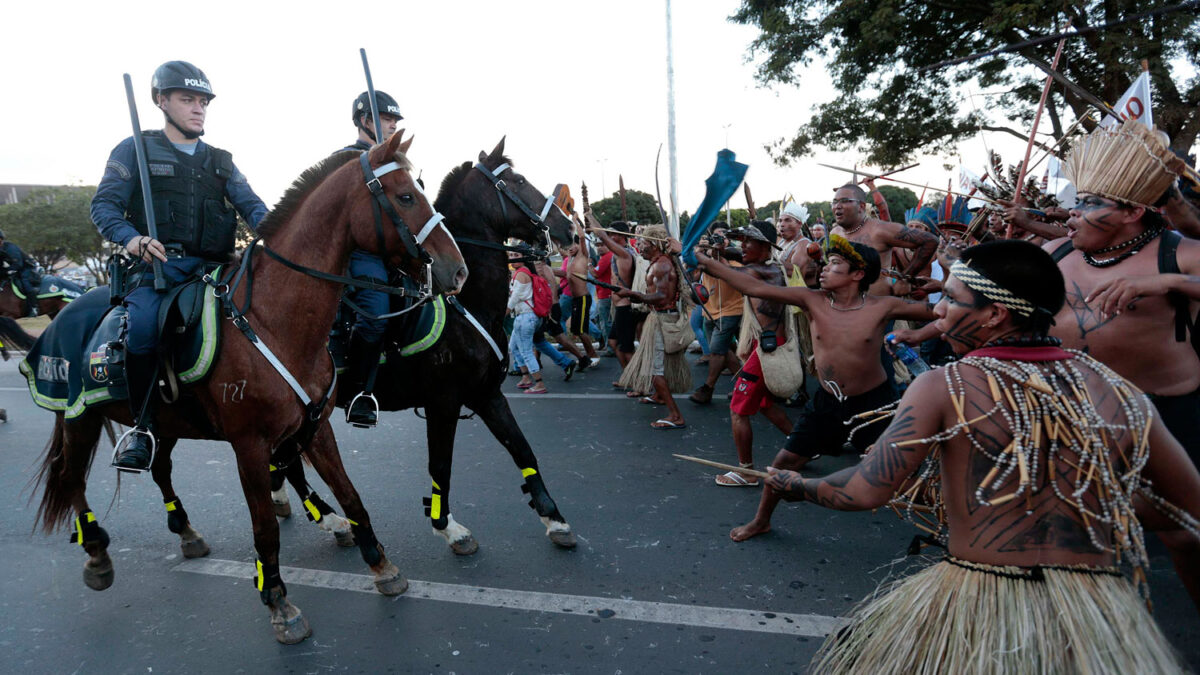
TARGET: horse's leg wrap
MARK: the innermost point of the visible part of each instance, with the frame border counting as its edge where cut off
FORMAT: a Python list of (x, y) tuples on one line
[(315, 508), (269, 583), (368, 545), (177, 518), (88, 533), (277, 478), (434, 507), (539, 497)]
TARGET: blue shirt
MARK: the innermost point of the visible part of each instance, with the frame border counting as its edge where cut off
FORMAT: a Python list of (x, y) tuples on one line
[(121, 179)]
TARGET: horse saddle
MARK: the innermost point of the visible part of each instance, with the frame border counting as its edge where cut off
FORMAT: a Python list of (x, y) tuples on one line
[(407, 334), (79, 360), (53, 287)]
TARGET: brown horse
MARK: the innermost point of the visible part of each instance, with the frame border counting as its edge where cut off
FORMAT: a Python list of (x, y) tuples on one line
[(14, 307), (325, 215)]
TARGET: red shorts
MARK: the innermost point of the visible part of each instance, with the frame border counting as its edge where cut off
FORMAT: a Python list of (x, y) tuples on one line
[(750, 393)]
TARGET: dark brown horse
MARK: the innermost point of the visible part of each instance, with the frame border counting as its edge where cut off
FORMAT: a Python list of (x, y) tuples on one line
[(463, 369), (14, 307), (244, 400)]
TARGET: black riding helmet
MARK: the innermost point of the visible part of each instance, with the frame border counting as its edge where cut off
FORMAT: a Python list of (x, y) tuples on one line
[(179, 75), (362, 106)]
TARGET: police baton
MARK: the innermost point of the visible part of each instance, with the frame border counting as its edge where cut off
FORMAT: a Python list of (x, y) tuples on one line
[(371, 95), (139, 145)]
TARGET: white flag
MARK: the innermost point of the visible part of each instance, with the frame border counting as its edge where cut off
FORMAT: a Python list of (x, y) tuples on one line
[(1134, 105)]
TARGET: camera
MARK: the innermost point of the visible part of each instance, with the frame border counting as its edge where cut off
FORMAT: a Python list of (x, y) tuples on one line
[(768, 341)]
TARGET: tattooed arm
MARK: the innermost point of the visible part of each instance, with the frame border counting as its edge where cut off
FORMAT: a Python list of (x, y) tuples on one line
[(875, 479), (915, 310), (924, 245)]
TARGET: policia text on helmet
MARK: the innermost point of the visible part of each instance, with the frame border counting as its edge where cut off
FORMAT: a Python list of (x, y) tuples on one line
[(183, 93), (389, 116)]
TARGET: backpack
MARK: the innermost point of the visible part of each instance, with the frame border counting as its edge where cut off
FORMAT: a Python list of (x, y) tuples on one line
[(1168, 263), (542, 298)]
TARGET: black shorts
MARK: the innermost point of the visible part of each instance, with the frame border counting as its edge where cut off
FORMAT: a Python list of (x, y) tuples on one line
[(581, 310), (1179, 414), (821, 428), (622, 329)]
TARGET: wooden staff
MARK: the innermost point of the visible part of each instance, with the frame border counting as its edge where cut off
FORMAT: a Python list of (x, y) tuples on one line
[(1066, 134), (904, 182), (888, 173), (728, 467), (1037, 118), (750, 202)]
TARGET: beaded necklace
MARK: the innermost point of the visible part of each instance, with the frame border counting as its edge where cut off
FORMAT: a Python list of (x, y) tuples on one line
[(1046, 405), (849, 309), (1137, 244)]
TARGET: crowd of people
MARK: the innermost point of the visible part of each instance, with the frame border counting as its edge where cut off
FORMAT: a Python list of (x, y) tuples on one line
[(1058, 423)]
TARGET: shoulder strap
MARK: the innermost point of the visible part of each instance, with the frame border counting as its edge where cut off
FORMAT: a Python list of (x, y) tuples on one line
[(1062, 251), (1168, 263)]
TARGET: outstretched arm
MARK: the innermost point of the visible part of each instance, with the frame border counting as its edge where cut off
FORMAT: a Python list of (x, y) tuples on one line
[(916, 310), (876, 479), (924, 245), (617, 250), (752, 286)]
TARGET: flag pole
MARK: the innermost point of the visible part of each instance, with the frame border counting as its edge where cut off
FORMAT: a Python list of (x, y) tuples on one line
[(673, 226)]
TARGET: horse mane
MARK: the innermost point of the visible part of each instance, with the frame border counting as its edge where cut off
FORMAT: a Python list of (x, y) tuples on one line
[(311, 178), (453, 179)]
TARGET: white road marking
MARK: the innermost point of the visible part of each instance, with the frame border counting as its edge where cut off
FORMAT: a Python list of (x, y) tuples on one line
[(807, 625)]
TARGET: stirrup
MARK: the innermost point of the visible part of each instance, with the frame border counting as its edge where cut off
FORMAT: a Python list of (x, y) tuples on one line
[(374, 401), (126, 438)]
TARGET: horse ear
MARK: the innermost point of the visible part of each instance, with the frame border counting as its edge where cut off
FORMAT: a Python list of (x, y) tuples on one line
[(406, 144), (394, 145), (499, 149)]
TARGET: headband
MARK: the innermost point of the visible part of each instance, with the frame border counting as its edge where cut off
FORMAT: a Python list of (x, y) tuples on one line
[(991, 290)]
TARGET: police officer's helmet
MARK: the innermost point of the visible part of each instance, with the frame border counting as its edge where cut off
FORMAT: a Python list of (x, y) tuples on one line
[(179, 75), (386, 104)]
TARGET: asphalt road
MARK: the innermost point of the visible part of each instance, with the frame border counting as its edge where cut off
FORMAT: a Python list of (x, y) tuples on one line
[(654, 586)]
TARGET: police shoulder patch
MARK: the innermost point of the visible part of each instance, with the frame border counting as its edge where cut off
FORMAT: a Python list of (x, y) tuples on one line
[(118, 168)]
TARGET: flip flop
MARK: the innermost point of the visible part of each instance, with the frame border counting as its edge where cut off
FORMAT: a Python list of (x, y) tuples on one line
[(536, 391), (649, 400), (524, 385), (735, 479), (634, 394), (665, 424)]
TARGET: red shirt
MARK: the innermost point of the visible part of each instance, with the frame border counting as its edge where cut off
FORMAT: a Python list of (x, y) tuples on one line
[(604, 273)]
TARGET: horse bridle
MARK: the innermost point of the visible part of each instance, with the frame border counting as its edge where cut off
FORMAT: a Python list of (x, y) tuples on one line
[(503, 191)]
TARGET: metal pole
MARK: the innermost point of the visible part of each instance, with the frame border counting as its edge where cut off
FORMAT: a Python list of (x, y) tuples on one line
[(728, 210), (673, 226)]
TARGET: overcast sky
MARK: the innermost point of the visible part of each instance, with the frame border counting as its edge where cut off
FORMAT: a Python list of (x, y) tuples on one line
[(578, 88)]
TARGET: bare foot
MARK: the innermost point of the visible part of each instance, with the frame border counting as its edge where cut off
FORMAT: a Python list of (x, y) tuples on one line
[(750, 529)]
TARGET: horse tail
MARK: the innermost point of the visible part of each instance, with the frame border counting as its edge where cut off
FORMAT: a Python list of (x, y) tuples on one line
[(12, 335), (57, 480)]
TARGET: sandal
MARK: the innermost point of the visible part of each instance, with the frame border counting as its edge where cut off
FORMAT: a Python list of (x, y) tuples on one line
[(649, 400), (735, 479), (524, 385)]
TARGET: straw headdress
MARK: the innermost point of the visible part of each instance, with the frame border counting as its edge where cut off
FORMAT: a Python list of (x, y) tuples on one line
[(1129, 164)]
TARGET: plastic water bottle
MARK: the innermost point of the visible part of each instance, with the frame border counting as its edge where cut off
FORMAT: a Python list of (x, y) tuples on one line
[(908, 356)]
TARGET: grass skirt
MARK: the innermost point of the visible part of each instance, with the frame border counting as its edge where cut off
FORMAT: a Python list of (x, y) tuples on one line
[(639, 373), (962, 617)]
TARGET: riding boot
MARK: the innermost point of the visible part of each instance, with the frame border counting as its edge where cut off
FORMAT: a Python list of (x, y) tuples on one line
[(31, 305), (135, 449), (362, 364)]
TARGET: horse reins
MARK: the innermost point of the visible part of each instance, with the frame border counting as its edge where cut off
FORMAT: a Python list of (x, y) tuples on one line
[(503, 191)]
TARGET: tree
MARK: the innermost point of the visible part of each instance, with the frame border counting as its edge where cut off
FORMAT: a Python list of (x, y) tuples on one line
[(641, 206), (899, 200), (889, 110), (54, 224)]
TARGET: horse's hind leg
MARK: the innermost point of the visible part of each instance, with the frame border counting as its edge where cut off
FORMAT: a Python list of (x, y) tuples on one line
[(69, 455), (323, 453), (191, 543), (500, 421), (279, 495), (440, 428), (315, 508)]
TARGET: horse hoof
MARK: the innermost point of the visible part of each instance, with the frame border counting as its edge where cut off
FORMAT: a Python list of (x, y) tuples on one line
[(465, 546), (98, 576), (390, 581), (283, 510), (344, 539), (194, 548), (291, 631), (562, 539)]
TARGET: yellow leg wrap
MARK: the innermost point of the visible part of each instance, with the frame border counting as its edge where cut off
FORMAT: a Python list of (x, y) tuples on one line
[(526, 473), (313, 510)]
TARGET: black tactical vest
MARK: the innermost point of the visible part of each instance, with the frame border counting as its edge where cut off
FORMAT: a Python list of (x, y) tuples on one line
[(189, 198)]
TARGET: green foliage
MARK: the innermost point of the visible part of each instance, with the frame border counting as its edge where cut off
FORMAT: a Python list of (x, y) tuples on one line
[(889, 111), (641, 206), (899, 200), (54, 224)]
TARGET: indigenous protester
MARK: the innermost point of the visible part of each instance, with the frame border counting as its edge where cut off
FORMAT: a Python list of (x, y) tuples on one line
[(620, 335), (1131, 287), (366, 338), (578, 325), (198, 183), (724, 319), (1038, 468), (769, 348), (15, 265), (659, 361), (850, 216), (847, 329), (818, 231), (525, 321)]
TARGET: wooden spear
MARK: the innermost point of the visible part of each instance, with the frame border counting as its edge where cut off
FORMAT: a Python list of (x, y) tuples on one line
[(1037, 118), (727, 467)]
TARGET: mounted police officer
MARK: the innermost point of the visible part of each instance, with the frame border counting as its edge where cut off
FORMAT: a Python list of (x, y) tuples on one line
[(366, 342), (23, 271), (193, 186)]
